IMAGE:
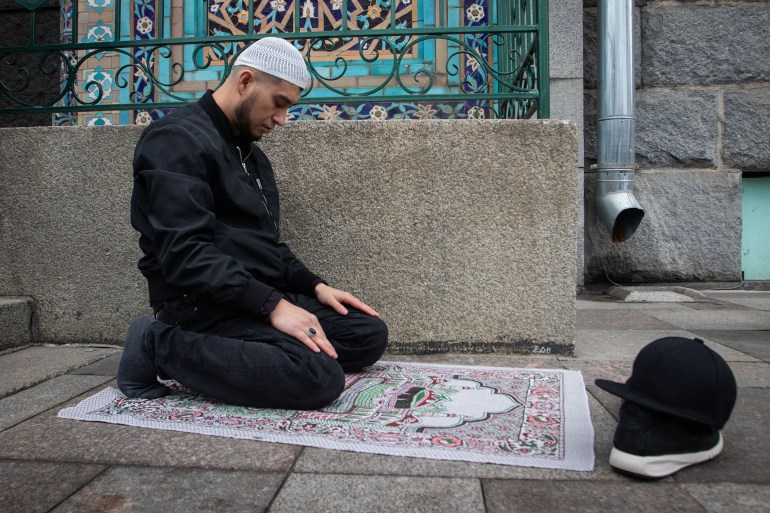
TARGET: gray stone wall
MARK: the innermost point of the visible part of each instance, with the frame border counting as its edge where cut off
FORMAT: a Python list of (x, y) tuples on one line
[(464, 238), (703, 119), (566, 86)]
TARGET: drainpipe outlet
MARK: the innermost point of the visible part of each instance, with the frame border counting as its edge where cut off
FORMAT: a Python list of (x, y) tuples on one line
[(618, 208)]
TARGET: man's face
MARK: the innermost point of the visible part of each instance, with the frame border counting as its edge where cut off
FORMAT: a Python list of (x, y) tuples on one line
[(266, 106)]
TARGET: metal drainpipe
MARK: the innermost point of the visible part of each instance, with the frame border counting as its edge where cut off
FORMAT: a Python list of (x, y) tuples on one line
[(618, 207)]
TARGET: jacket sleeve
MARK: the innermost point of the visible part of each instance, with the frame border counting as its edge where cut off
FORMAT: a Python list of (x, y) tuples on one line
[(300, 278), (172, 207)]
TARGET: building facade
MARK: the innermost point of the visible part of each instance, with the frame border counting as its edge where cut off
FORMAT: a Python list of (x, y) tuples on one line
[(702, 98)]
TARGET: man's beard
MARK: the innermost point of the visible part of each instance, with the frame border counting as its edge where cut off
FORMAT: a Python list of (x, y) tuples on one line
[(242, 125)]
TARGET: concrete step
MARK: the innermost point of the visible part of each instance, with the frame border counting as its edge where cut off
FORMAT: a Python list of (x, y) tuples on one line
[(16, 327)]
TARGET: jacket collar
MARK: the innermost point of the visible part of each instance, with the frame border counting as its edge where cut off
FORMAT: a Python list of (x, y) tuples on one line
[(222, 124)]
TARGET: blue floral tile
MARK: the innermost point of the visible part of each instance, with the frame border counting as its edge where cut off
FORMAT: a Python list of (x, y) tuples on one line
[(145, 28), (99, 33), (99, 5), (392, 110), (96, 81), (145, 117), (99, 120)]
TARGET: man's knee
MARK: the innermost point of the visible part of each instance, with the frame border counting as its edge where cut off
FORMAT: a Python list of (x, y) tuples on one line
[(376, 339), (323, 382)]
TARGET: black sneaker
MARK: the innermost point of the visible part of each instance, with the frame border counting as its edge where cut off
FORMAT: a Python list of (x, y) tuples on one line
[(137, 375), (653, 445)]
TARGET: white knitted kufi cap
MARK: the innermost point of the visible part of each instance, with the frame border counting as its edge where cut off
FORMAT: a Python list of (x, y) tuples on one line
[(277, 57)]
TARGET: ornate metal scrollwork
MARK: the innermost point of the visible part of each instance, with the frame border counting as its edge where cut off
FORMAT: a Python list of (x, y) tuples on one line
[(486, 70)]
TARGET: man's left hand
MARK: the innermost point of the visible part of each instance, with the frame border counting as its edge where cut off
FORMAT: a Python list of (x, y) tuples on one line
[(337, 299)]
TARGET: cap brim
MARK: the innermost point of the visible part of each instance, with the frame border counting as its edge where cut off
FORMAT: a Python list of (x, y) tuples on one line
[(623, 391), (613, 387)]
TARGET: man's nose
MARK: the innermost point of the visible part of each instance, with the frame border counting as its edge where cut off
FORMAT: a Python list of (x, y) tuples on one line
[(280, 117)]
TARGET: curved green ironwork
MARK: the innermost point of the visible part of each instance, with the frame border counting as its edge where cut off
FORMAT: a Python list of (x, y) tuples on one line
[(509, 79)]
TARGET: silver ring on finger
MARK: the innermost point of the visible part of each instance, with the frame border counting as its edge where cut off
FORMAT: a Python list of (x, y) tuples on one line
[(311, 332)]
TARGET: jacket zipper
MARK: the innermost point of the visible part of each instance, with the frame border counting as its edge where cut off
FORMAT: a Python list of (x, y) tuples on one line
[(259, 185)]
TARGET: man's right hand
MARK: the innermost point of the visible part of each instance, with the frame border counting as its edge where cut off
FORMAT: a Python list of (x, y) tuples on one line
[(296, 322)]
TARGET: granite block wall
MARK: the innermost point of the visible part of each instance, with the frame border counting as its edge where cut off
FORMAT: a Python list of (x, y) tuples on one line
[(703, 119)]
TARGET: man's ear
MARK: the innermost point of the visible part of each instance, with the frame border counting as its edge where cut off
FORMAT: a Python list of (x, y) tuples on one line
[(244, 80)]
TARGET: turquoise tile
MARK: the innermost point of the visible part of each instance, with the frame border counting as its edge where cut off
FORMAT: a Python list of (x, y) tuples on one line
[(354, 70)]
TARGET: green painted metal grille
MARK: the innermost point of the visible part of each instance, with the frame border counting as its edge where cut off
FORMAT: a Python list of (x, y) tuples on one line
[(489, 57)]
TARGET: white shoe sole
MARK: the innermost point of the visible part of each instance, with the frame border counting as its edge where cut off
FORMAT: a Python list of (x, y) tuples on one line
[(661, 466)]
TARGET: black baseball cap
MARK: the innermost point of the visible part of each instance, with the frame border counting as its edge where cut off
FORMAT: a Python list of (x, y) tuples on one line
[(681, 377)]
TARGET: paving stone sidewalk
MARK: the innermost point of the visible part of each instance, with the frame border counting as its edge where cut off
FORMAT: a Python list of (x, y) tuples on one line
[(51, 464)]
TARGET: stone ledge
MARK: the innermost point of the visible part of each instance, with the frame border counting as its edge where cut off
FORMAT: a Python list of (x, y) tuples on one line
[(16, 315)]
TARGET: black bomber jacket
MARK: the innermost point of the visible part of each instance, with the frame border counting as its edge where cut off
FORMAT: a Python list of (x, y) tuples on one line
[(206, 225)]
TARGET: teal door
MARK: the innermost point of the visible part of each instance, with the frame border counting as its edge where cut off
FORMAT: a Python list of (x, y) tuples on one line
[(755, 253)]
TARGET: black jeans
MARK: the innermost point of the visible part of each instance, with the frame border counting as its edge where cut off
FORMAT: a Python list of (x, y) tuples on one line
[(243, 360)]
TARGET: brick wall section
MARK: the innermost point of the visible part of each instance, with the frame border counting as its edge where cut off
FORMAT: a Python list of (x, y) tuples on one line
[(703, 119), (15, 31)]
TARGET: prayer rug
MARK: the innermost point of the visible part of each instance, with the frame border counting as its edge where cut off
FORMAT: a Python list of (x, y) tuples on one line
[(523, 417)]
